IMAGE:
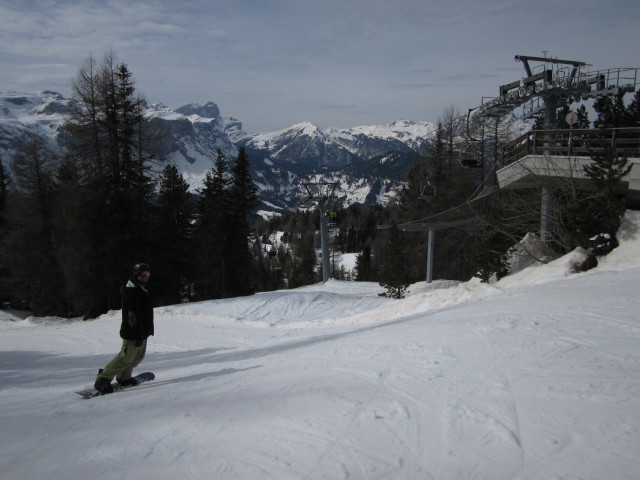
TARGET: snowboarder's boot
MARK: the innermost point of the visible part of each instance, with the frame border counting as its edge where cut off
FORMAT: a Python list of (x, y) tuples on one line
[(103, 385), (129, 382)]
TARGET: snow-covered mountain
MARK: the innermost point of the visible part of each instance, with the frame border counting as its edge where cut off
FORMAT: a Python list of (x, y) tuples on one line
[(306, 144), (367, 162), (190, 136), (26, 116)]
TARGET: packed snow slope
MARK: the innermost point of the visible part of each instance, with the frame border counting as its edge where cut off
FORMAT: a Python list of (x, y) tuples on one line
[(534, 377)]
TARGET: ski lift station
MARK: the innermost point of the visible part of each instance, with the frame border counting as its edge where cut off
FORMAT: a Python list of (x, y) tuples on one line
[(547, 85), (553, 153)]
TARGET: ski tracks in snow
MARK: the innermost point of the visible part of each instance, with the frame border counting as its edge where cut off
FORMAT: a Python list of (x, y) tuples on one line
[(425, 408), (383, 411), (427, 405)]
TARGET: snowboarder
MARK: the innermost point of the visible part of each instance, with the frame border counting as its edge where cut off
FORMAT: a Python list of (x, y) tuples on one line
[(137, 326)]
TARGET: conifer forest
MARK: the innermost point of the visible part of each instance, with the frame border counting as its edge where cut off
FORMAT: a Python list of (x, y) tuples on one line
[(72, 227)]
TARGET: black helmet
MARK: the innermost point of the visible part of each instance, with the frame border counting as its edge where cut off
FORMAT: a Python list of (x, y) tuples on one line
[(138, 268)]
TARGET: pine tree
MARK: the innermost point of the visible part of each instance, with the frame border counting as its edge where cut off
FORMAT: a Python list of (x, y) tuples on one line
[(4, 192), (393, 274), (4, 187), (83, 125), (438, 157), (74, 222), (28, 245), (598, 222), (365, 268), (611, 111), (450, 126), (173, 238), (210, 233), (105, 130), (304, 263), (488, 252), (583, 118), (633, 110), (243, 200)]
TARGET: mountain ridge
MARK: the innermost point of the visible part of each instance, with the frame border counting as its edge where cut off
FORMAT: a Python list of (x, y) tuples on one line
[(281, 161)]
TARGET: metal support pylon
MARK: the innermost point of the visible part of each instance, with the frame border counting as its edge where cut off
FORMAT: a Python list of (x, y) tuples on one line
[(322, 193)]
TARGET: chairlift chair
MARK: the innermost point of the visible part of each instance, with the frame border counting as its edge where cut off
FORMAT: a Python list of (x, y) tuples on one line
[(427, 192), (470, 159), (331, 217)]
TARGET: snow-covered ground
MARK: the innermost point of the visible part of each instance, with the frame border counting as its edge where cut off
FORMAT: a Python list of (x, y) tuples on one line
[(534, 377)]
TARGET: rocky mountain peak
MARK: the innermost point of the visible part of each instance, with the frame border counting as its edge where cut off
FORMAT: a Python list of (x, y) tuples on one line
[(208, 110)]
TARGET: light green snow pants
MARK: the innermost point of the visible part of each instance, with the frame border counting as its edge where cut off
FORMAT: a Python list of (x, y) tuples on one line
[(125, 361)]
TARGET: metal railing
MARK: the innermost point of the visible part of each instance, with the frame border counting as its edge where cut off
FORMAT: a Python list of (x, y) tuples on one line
[(581, 85), (573, 142)]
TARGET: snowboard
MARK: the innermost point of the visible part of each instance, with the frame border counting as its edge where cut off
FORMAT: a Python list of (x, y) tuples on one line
[(92, 392)]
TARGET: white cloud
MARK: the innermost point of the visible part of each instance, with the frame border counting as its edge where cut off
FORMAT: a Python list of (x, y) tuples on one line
[(273, 63)]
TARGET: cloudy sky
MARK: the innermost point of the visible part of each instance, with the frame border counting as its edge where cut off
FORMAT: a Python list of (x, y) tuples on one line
[(341, 63)]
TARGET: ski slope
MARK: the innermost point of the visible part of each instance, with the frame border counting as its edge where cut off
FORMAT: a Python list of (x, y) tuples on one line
[(534, 377)]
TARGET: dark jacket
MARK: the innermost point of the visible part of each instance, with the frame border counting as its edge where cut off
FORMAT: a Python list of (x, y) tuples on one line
[(136, 298)]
